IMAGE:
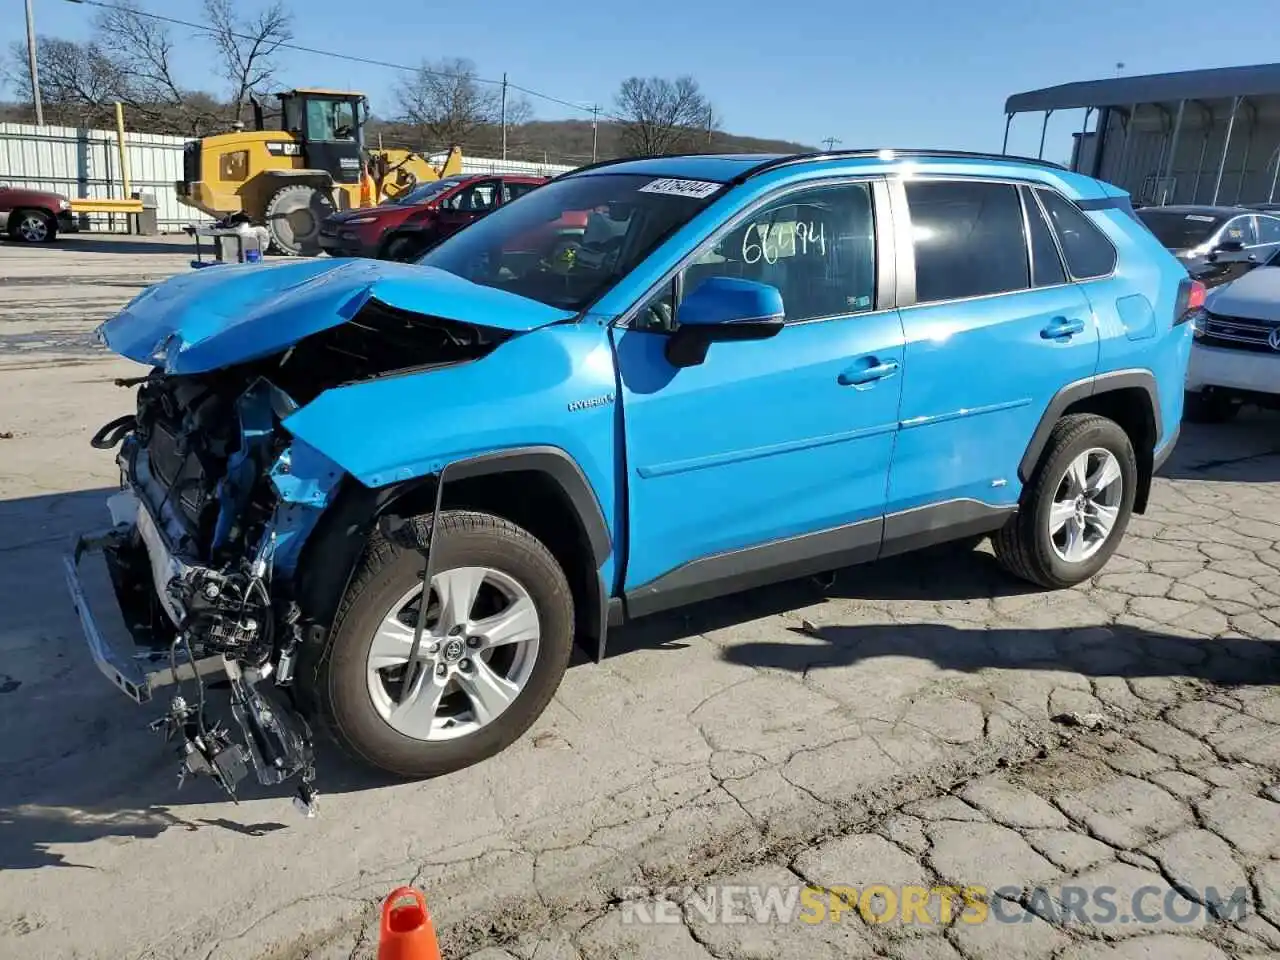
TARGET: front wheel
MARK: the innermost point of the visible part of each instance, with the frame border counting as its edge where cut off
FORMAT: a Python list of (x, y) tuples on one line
[(1076, 508), (497, 636), (293, 217), (32, 226)]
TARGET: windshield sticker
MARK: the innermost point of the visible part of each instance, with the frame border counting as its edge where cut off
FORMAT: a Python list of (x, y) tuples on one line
[(1196, 216), (681, 188)]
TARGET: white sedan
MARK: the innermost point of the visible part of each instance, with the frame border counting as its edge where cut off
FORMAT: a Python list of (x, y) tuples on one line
[(1236, 355)]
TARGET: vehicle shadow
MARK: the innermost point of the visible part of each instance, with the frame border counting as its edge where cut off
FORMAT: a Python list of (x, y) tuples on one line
[(1113, 651), (169, 244), (1243, 450)]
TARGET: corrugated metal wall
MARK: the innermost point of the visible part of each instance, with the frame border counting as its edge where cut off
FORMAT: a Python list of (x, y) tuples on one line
[(485, 165), (1140, 166), (86, 163)]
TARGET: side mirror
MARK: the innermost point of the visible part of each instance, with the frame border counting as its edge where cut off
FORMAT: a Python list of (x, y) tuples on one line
[(1226, 247), (722, 309)]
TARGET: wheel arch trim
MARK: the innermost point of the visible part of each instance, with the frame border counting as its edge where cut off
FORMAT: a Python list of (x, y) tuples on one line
[(1081, 390)]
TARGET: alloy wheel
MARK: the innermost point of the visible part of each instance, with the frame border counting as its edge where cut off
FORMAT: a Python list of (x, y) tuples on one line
[(33, 228), (1086, 505), (479, 645)]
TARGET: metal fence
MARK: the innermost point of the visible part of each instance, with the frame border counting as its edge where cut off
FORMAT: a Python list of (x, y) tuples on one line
[(76, 162)]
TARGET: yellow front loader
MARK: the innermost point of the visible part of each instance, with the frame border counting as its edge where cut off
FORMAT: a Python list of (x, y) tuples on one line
[(289, 180)]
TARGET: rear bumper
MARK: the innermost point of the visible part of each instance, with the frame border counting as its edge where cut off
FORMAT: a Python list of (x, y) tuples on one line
[(1245, 370), (135, 671)]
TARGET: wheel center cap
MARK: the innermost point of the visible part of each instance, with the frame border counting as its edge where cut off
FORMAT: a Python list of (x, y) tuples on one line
[(453, 650)]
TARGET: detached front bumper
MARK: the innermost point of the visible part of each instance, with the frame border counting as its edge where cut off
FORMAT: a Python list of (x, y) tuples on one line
[(135, 671)]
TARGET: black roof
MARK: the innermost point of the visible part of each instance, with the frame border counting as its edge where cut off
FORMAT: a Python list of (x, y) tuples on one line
[(1260, 80)]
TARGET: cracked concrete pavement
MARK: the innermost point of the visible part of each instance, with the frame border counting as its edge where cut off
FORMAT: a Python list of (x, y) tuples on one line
[(895, 726)]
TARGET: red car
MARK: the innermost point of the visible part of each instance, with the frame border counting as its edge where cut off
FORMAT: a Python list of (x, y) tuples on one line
[(33, 216), (409, 225)]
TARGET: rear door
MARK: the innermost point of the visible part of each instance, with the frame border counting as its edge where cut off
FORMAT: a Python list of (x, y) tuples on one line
[(994, 328), (1268, 228)]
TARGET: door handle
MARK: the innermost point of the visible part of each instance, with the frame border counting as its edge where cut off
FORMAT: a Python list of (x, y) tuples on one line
[(1061, 327), (859, 375)]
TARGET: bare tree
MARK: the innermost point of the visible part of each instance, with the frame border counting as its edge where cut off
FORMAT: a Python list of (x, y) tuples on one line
[(247, 45), (78, 81), (448, 103), (658, 116), (143, 52)]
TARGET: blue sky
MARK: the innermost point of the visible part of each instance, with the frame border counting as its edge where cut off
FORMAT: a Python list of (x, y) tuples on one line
[(888, 73)]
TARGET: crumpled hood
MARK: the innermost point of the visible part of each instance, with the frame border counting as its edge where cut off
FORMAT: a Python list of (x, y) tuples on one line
[(228, 314), (1254, 295)]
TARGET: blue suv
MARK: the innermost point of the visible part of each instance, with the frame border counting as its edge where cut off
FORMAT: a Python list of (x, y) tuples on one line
[(736, 370)]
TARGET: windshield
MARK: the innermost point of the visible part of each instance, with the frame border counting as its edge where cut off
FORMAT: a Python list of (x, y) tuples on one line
[(569, 241), (423, 192), (1180, 231)]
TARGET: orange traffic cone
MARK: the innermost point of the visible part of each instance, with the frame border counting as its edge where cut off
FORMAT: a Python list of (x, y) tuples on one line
[(407, 933)]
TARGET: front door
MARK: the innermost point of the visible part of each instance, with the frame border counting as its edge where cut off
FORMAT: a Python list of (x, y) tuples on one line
[(997, 329), (467, 204), (770, 457)]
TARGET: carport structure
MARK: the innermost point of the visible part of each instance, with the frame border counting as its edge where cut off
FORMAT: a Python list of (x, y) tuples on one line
[(1197, 136)]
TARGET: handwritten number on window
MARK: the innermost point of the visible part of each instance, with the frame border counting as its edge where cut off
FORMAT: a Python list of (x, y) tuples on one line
[(768, 242)]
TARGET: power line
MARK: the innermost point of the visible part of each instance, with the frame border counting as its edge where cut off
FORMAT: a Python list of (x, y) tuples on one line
[(352, 58)]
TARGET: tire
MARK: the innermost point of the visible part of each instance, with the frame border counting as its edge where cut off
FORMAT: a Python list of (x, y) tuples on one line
[(32, 226), (1210, 407), (1025, 547), (346, 684), (293, 217), (403, 248)]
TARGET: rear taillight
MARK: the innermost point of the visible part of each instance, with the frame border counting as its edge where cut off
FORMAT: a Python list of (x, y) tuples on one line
[(1190, 302)]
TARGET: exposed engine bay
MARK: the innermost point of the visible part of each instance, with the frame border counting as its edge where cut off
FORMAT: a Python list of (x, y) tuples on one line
[(209, 526)]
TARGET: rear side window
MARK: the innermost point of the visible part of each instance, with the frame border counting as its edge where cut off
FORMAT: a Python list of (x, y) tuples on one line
[(1046, 264), (968, 238), (1268, 230), (1088, 252), (512, 190)]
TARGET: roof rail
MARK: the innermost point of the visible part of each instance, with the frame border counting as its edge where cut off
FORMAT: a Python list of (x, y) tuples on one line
[(868, 153), (872, 153)]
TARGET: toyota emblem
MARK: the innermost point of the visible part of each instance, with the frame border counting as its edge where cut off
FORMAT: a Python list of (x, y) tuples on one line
[(1273, 341)]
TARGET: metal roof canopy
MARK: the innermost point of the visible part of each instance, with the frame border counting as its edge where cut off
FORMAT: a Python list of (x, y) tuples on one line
[(1261, 80), (1255, 88)]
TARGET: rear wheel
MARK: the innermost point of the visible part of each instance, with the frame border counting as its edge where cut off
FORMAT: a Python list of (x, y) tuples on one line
[(496, 641), (1210, 407), (32, 226), (294, 214), (1076, 508)]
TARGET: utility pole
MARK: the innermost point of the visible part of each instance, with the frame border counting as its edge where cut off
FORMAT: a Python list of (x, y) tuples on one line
[(32, 67), (595, 132), (831, 143), (504, 116), (711, 121)]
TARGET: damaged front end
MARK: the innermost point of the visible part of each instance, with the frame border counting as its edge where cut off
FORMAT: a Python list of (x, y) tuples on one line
[(217, 501)]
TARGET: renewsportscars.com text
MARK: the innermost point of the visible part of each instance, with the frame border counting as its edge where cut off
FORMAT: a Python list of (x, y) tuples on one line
[(910, 904)]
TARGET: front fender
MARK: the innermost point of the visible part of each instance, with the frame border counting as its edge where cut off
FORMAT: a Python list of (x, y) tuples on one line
[(554, 387)]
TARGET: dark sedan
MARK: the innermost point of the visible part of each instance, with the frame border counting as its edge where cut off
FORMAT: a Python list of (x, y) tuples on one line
[(1216, 244)]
